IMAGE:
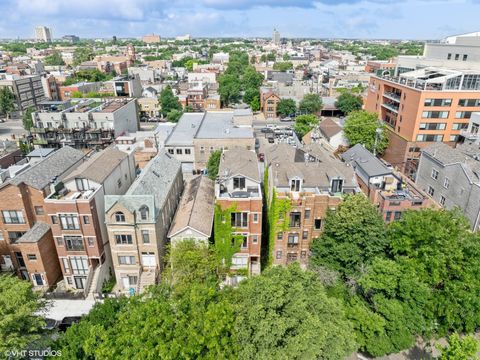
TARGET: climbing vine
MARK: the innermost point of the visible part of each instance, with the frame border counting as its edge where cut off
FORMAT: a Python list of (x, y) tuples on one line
[(277, 221), (226, 242)]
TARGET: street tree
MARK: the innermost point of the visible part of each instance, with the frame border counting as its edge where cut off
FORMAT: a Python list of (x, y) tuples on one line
[(168, 101), (363, 127), (460, 348), (7, 101), (310, 104), (286, 107), (27, 120), (348, 102), (305, 123)]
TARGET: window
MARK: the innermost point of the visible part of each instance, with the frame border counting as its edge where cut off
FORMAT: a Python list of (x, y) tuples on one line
[(54, 219), (442, 200), (15, 235), (39, 210), (145, 236), (123, 239), (13, 217), (449, 56), (337, 186), (469, 102), (457, 56), (240, 261), (255, 218), (465, 57), (295, 184), (388, 216), (188, 151), (431, 191), (446, 183), (463, 115), (126, 260), (398, 215), (245, 241), (280, 236), (278, 255), (86, 219), (318, 224), (453, 138), (90, 241), (239, 219), (132, 280), (291, 257), (82, 184), (307, 214), (170, 151), (202, 149), (179, 151), (435, 114), (69, 222), (74, 243), (239, 183), (59, 241), (144, 212), (66, 265), (254, 239), (295, 219), (459, 126), (119, 217), (292, 239), (438, 102), (429, 138), (31, 257), (432, 126), (434, 174), (305, 235)]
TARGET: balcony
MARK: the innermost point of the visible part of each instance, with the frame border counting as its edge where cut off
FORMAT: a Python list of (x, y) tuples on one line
[(40, 142), (38, 130), (391, 107), (467, 134), (392, 96)]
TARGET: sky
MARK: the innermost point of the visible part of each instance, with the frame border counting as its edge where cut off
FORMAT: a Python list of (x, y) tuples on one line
[(375, 19)]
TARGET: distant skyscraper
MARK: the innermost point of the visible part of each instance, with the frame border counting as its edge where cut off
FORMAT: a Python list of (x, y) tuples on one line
[(43, 33), (276, 37)]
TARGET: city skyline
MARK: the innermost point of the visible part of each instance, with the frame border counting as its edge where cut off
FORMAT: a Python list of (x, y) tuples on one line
[(369, 19)]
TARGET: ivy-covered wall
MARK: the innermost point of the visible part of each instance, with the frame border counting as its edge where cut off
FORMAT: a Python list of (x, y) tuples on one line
[(226, 242)]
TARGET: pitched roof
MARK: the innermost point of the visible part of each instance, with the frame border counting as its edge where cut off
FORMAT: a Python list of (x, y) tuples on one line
[(99, 166), (239, 162), (329, 128), (196, 208), (315, 165), (42, 173), (35, 233), (360, 157)]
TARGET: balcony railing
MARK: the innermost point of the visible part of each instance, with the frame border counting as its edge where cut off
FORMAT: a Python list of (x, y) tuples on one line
[(391, 107), (392, 96)]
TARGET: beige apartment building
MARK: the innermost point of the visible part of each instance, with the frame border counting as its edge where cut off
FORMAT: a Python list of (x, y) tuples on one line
[(138, 222)]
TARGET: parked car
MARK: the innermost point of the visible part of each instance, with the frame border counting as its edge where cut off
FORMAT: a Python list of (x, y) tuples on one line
[(68, 321), (271, 140), (261, 157), (288, 118)]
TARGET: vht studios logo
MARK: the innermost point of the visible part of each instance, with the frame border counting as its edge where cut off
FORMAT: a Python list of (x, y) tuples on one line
[(32, 354)]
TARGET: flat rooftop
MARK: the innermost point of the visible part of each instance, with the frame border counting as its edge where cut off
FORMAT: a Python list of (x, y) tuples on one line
[(185, 130), (220, 125)]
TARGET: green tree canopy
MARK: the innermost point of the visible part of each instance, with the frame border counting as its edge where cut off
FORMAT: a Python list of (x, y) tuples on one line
[(54, 59), (286, 314), (213, 164), (286, 107), (310, 104), (174, 115), (27, 120), (81, 54), (460, 348), (348, 102), (305, 123), (283, 66), (19, 324), (7, 101), (353, 235), (363, 127), (229, 89), (168, 101)]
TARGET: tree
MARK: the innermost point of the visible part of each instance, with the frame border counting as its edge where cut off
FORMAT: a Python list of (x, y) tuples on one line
[(348, 102), (251, 79), (305, 123), (285, 313), (19, 324), (27, 118), (168, 101), (229, 89), (213, 164), (7, 101), (310, 104), (286, 107), (82, 54), (255, 103), (283, 66), (54, 59), (363, 127), (286, 57), (354, 234), (460, 349), (189, 109), (174, 115)]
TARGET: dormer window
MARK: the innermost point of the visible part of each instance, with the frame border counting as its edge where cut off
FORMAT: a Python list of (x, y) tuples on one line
[(295, 184), (119, 217), (337, 186), (144, 212), (239, 183)]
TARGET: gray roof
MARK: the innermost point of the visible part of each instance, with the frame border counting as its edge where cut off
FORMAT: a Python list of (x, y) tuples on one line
[(42, 173), (185, 130), (282, 77), (40, 152), (359, 157), (196, 208), (35, 234), (239, 162), (151, 188), (320, 168), (219, 125), (99, 166)]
